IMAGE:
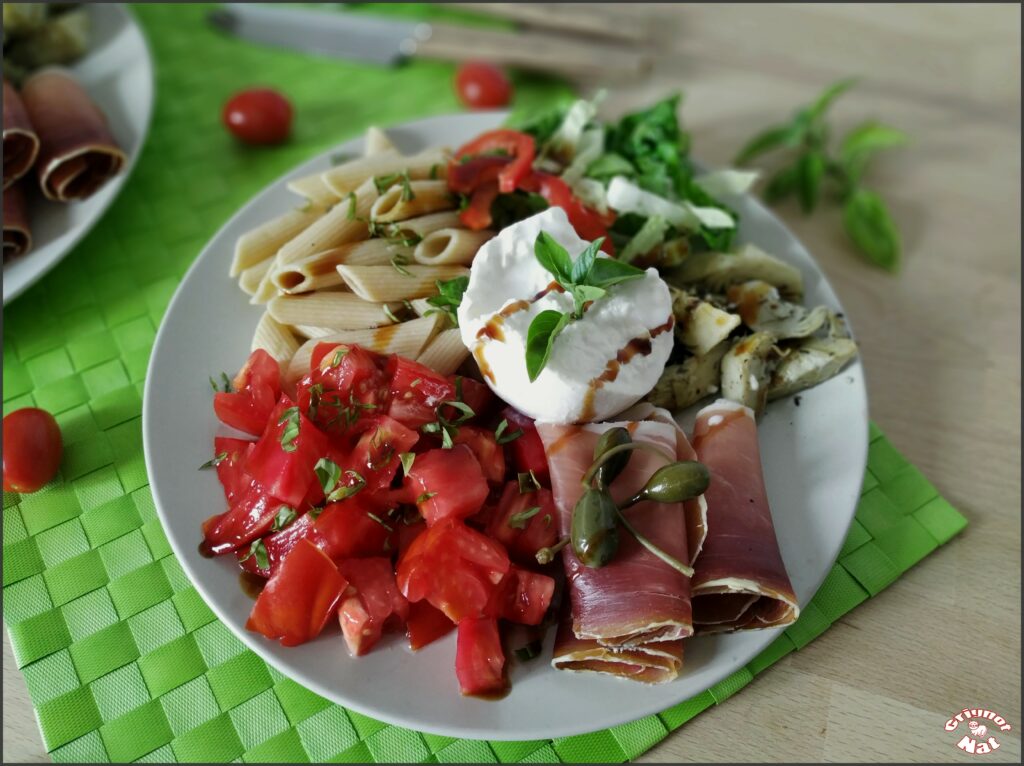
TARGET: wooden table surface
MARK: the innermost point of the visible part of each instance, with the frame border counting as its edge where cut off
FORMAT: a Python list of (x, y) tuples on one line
[(940, 343)]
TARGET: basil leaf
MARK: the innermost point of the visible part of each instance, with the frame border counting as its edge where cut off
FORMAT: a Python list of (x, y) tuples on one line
[(424, 497), (502, 437), (773, 138), (868, 223), (863, 141), (327, 473), (553, 257), (347, 490), (466, 412), (527, 482), (449, 297), (609, 165), (259, 550), (781, 184), (583, 294), (810, 169), (380, 521), (609, 271), (820, 105), (284, 517), (217, 459), (519, 520), (583, 263), (290, 419), (407, 459), (540, 337)]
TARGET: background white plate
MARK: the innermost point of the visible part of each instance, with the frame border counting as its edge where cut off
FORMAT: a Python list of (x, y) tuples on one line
[(118, 74), (814, 457)]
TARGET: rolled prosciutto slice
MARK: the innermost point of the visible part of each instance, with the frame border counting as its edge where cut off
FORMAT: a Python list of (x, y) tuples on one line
[(21, 144), (651, 663), (17, 232), (740, 581), (636, 598), (77, 152)]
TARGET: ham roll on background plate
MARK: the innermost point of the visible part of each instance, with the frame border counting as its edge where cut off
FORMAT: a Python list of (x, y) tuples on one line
[(77, 153), (17, 232), (740, 581), (21, 144)]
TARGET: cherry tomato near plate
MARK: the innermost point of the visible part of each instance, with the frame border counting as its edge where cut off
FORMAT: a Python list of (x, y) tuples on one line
[(482, 86), (32, 449), (258, 116)]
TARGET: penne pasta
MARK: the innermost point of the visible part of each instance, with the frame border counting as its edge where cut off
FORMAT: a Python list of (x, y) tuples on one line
[(421, 306), (406, 339), (445, 353), (251, 278), (402, 201), (345, 222), (450, 246), (309, 331), (421, 226), (320, 270), (376, 142), (340, 311), (274, 338), (428, 164), (381, 284), (313, 188), (262, 242)]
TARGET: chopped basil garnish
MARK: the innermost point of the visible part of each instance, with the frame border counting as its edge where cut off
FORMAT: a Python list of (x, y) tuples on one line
[(380, 521), (327, 473), (315, 392), (502, 437), (519, 520), (351, 206), (449, 297), (528, 482), (225, 382), (389, 313), (217, 459), (407, 458), (290, 419), (284, 517), (259, 550), (424, 497), (384, 182), (347, 490), (399, 262)]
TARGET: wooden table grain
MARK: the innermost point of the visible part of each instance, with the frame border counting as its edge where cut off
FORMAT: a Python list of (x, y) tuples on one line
[(941, 345)]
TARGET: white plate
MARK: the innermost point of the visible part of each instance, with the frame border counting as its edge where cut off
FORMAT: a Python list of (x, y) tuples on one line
[(118, 74), (814, 457)]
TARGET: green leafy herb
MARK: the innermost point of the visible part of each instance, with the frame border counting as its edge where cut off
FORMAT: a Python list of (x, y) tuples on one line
[(503, 436), (547, 520), (553, 257), (540, 339), (872, 230), (259, 550), (464, 410), (315, 392), (434, 170), (862, 142), (347, 490), (380, 521), (389, 313), (407, 459), (527, 482), (328, 473), (386, 181), (217, 459), (424, 497), (449, 297), (399, 262), (284, 517), (519, 520), (290, 419), (352, 206), (225, 383), (529, 652)]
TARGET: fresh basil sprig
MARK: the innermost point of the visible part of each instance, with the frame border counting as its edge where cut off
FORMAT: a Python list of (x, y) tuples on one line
[(816, 168), (448, 298), (586, 279)]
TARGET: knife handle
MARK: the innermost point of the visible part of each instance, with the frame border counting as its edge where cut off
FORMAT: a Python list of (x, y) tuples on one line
[(602, 20), (533, 50)]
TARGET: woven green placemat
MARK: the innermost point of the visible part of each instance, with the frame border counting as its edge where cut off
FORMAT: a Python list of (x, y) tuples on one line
[(123, 660)]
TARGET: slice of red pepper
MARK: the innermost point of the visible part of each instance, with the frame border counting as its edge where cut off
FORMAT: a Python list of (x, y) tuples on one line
[(589, 224), (519, 146), (467, 175), (477, 214)]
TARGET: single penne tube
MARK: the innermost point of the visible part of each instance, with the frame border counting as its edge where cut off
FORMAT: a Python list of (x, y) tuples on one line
[(407, 339), (376, 142), (338, 310), (320, 270), (450, 246), (309, 331), (402, 201), (313, 188), (262, 242), (274, 338), (445, 353), (422, 305), (423, 225), (428, 164), (381, 284), (251, 278), (345, 222)]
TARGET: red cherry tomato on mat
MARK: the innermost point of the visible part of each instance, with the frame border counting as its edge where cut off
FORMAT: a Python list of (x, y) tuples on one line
[(258, 116), (482, 86), (32, 449)]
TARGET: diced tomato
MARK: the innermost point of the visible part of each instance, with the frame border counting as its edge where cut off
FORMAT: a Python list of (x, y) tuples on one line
[(523, 597), (523, 537), (231, 468), (256, 389), (449, 483), (248, 518), (345, 385), (464, 177), (407, 533), (520, 146), (425, 624), (479, 660), (416, 391), (588, 223), (475, 394), (354, 527), (527, 449), (485, 448), (280, 543), (376, 454), (455, 568), (299, 599), (283, 462), (477, 214), (370, 601)]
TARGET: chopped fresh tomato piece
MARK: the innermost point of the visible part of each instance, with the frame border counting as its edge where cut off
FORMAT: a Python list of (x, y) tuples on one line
[(407, 533), (425, 624), (416, 392), (479, 660), (280, 543), (476, 395), (589, 224), (299, 599), (376, 454), (346, 384), (256, 389), (523, 597), (476, 214), (449, 484), (249, 517), (524, 523), (528, 449), (466, 176), (370, 601), (354, 527), (520, 146), (485, 448), (284, 458), (231, 467)]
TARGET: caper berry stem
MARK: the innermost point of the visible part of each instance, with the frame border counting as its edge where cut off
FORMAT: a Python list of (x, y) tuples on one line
[(547, 555), (589, 475), (672, 561)]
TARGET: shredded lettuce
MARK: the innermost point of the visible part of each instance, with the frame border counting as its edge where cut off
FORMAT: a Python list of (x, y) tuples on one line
[(627, 197), (565, 141), (728, 181), (651, 234)]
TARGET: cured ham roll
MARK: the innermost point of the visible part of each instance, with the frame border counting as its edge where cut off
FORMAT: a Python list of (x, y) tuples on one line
[(77, 152), (21, 144), (740, 581), (636, 598), (17, 232)]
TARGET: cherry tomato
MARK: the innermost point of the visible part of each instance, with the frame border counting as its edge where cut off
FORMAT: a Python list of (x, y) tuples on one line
[(258, 116), (482, 86), (32, 449)]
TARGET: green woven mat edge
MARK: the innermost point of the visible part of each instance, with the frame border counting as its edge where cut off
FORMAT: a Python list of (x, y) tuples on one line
[(122, 659)]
